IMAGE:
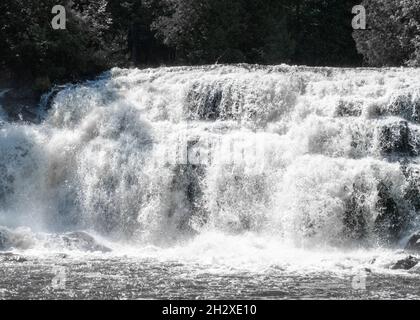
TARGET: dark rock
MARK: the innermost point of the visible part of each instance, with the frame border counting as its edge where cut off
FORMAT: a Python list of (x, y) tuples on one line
[(348, 109), (16, 258), (406, 264), (83, 241), (405, 106), (21, 104), (205, 107), (187, 195), (396, 139), (47, 99), (356, 209), (412, 191), (414, 243), (11, 257), (5, 239), (390, 220)]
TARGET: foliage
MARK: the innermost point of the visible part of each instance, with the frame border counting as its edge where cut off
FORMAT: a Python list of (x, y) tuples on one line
[(393, 35), (104, 33), (32, 48)]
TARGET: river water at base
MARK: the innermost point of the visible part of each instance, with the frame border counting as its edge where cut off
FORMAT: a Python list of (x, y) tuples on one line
[(126, 278)]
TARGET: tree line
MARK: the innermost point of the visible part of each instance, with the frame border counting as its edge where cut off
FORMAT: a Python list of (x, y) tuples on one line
[(103, 33)]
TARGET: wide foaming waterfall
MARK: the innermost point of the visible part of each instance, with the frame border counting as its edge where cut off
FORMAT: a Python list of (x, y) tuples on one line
[(305, 156)]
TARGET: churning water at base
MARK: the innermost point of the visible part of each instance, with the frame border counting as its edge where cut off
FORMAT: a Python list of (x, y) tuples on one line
[(256, 180)]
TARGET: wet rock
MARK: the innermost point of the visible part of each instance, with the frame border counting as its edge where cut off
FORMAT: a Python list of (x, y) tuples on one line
[(396, 139), (348, 109), (21, 104), (47, 99), (11, 257), (204, 102), (15, 258), (5, 239), (406, 264), (19, 239), (356, 209), (412, 191), (83, 241), (187, 196), (414, 243), (406, 106), (390, 220)]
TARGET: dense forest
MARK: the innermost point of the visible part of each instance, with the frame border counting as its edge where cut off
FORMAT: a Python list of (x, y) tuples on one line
[(101, 34)]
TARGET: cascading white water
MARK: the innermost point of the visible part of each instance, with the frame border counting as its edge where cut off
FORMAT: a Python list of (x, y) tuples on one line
[(305, 156)]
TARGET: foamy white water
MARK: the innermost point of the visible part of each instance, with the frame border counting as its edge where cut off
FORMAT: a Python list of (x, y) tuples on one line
[(243, 167)]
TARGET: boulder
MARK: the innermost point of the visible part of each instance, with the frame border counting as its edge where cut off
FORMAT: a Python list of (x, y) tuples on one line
[(390, 220), (10, 257), (83, 241), (413, 243), (406, 264), (412, 191), (406, 106), (5, 239), (397, 139), (20, 104), (19, 239)]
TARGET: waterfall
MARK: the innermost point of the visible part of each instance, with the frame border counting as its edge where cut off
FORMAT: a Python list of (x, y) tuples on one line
[(302, 155)]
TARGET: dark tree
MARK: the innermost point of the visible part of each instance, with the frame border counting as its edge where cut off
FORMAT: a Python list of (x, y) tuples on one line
[(393, 34), (313, 32), (322, 32), (34, 50)]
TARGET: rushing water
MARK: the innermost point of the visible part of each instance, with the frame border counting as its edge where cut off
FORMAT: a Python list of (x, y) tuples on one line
[(215, 182)]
